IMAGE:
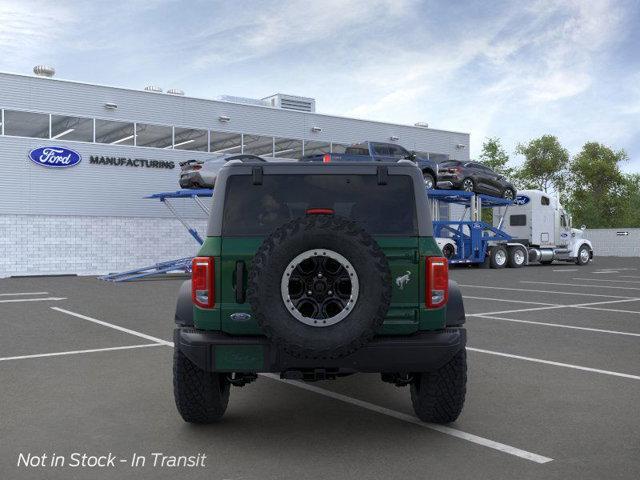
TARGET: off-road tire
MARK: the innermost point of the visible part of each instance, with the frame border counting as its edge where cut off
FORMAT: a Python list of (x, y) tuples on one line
[(438, 397), (329, 232), (201, 397)]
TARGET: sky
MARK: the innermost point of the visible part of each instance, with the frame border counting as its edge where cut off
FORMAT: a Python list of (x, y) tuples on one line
[(514, 70)]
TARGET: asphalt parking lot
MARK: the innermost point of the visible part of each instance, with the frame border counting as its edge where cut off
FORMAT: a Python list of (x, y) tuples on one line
[(553, 392)]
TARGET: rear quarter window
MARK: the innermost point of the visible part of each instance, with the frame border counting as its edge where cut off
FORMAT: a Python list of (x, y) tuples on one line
[(256, 210)]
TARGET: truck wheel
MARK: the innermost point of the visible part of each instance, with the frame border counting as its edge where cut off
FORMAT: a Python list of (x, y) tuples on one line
[(498, 257), (319, 286), (429, 181), (201, 397), (517, 257), (448, 251), (438, 397), (583, 255)]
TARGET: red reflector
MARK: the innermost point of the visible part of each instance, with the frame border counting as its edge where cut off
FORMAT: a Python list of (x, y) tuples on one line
[(202, 282), (320, 211), (326, 158), (437, 282)]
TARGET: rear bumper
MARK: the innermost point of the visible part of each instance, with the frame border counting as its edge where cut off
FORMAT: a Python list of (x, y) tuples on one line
[(420, 352)]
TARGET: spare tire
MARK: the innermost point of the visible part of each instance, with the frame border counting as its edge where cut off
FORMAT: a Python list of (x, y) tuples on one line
[(319, 286)]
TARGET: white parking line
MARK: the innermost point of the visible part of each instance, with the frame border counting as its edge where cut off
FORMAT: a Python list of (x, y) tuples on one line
[(410, 419), (23, 293), (579, 285), (604, 280), (555, 364), (576, 305), (45, 299), (115, 327), (565, 270), (559, 325), (370, 406), (76, 352), (547, 291), (466, 297)]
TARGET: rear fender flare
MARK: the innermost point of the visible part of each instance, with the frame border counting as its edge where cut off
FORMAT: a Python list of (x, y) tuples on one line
[(455, 306), (184, 306)]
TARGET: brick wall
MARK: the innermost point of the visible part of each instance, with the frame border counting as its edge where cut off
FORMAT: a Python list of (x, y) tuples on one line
[(49, 245)]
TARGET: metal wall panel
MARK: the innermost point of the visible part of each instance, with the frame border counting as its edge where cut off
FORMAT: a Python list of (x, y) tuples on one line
[(73, 98)]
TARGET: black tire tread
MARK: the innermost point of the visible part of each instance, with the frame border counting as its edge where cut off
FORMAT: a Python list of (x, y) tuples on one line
[(201, 397), (438, 397)]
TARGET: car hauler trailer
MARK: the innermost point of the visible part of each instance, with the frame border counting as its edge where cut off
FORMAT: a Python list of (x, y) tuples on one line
[(470, 240), (534, 228)]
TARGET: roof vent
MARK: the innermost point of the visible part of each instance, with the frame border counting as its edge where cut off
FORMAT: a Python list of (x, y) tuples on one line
[(44, 71), (175, 91), (153, 88), (422, 124), (243, 100), (292, 102)]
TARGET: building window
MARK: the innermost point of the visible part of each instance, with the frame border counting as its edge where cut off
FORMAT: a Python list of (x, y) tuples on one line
[(72, 128), (157, 136), (190, 139), (287, 148), (224, 142), (26, 124), (258, 145), (316, 148), (338, 147), (114, 133)]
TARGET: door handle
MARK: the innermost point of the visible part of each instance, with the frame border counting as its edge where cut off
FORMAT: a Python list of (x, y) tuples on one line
[(240, 274)]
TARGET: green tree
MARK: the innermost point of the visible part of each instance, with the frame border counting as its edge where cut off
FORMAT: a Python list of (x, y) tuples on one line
[(495, 157), (599, 192), (631, 216), (545, 164)]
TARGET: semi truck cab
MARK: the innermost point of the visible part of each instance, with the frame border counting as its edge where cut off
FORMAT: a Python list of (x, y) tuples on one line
[(538, 221)]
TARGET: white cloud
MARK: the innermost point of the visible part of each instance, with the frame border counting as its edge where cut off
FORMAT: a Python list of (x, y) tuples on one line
[(30, 30)]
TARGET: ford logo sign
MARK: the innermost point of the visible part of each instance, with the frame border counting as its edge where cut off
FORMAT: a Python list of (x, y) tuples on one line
[(521, 200), (56, 157)]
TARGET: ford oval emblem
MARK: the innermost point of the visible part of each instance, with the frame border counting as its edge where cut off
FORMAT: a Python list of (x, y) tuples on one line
[(55, 157), (521, 200)]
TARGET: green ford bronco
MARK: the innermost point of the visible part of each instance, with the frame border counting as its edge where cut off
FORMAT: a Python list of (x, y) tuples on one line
[(316, 272)]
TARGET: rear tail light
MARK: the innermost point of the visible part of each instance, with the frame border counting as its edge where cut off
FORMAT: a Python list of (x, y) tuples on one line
[(196, 167), (437, 282), (202, 282), (326, 158), (319, 211)]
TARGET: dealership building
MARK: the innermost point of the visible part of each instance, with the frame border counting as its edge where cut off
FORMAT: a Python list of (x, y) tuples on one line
[(88, 215)]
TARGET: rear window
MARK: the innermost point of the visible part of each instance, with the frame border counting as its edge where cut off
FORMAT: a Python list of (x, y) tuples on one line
[(259, 209), (450, 163), (357, 151)]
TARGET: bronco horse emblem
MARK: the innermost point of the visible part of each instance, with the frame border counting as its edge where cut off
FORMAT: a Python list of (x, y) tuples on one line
[(402, 280)]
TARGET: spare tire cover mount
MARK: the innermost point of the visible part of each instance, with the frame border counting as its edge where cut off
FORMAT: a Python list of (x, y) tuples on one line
[(319, 287)]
